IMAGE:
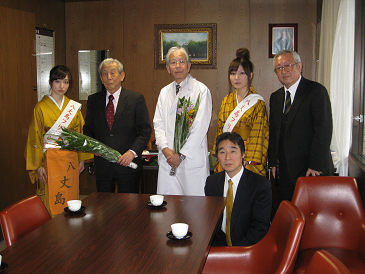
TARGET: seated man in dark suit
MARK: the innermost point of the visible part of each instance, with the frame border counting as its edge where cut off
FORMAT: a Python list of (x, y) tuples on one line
[(249, 197)]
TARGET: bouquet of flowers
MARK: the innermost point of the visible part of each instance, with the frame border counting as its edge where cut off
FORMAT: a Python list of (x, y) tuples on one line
[(71, 140), (185, 115)]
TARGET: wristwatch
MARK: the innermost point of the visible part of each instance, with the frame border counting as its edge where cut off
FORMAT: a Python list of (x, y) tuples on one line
[(182, 157)]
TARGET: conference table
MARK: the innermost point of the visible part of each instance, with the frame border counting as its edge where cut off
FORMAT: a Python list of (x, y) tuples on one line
[(120, 233)]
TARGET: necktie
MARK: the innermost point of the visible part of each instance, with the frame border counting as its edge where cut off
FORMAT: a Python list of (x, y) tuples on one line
[(229, 206), (178, 87), (110, 112), (287, 102)]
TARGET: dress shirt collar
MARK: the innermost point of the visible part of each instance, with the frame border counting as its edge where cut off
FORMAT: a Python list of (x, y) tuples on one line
[(183, 83), (236, 180), (115, 100), (293, 89)]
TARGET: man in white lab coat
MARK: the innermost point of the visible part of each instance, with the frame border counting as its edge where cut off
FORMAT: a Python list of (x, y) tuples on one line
[(191, 162)]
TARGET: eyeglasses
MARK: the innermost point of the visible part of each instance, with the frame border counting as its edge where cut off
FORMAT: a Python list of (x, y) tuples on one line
[(287, 68), (180, 62)]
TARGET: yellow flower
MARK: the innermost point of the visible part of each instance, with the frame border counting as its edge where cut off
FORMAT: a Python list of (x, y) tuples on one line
[(191, 112)]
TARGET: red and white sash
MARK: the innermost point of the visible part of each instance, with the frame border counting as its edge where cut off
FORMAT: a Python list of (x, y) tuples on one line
[(63, 121), (240, 109)]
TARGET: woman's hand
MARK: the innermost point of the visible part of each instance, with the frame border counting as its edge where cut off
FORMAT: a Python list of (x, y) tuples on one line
[(81, 166), (42, 174)]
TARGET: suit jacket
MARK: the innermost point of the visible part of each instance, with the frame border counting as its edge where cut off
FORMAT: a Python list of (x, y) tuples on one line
[(131, 128), (308, 131), (251, 212)]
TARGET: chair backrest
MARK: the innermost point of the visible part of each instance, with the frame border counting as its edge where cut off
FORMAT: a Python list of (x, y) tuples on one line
[(333, 210), (284, 237), (275, 253), (22, 217), (324, 262)]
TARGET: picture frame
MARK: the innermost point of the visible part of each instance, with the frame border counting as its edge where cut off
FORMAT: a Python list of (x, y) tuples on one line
[(200, 40), (282, 36)]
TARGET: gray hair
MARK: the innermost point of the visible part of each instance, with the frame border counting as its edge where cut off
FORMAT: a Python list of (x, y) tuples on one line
[(175, 49), (109, 61), (295, 55)]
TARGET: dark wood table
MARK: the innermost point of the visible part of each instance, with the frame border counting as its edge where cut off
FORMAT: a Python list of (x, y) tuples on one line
[(119, 233)]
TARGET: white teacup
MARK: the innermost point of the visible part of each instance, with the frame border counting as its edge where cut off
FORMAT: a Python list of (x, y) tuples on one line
[(156, 200), (179, 230), (74, 205)]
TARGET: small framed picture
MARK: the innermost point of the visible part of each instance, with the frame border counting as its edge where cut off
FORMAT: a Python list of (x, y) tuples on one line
[(282, 36), (200, 40)]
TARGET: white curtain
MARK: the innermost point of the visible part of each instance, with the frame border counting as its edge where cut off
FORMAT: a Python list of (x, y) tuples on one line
[(335, 71)]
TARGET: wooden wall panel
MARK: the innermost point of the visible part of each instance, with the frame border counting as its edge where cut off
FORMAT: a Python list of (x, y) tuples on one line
[(17, 99), (49, 14), (17, 78), (240, 23), (96, 25), (264, 13)]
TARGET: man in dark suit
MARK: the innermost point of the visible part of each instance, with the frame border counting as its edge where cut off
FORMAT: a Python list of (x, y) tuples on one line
[(117, 117), (252, 196), (300, 126)]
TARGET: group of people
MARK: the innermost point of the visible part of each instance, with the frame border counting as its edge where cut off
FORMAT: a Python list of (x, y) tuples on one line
[(294, 142)]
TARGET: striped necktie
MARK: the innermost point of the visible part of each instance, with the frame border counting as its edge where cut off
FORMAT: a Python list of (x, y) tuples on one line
[(287, 102), (178, 87), (229, 206)]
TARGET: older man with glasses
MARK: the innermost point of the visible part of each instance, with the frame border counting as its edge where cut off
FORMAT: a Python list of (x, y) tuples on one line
[(300, 126), (182, 171)]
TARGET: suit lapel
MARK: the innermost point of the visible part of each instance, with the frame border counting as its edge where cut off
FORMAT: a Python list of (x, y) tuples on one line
[(299, 96), (220, 186), (279, 112), (101, 103), (173, 100), (122, 103), (240, 198)]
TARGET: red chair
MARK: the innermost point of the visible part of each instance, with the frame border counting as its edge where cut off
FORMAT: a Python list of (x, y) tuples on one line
[(275, 253), (324, 262), (22, 218), (335, 220)]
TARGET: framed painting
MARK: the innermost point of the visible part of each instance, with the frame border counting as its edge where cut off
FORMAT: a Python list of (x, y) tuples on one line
[(200, 40), (282, 36)]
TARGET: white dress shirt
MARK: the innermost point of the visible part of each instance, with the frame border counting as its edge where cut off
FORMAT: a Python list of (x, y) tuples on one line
[(236, 180)]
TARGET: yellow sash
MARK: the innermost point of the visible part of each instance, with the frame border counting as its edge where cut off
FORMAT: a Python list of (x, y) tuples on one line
[(62, 168)]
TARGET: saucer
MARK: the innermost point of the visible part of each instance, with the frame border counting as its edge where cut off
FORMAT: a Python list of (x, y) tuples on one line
[(152, 205), (172, 237), (3, 266), (82, 209)]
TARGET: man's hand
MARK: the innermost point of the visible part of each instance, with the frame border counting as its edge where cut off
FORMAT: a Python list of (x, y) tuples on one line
[(273, 171), (126, 158), (311, 172), (174, 160), (167, 152)]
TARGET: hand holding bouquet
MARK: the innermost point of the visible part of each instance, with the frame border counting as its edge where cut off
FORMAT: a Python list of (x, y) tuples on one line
[(71, 140)]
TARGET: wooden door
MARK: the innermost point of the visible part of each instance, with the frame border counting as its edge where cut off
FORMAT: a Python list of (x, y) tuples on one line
[(17, 100)]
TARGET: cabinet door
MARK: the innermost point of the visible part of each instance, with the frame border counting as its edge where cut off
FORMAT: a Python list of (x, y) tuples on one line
[(17, 100)]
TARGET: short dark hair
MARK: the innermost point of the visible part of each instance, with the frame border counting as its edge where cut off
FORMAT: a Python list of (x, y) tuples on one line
[(234, 137), (59, 72)]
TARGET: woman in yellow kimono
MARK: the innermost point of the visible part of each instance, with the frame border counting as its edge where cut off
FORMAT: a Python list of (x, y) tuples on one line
[(56, 172), (244, 111)]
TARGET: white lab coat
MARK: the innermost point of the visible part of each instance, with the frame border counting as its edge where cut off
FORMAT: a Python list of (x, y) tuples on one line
[(193, 171)]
